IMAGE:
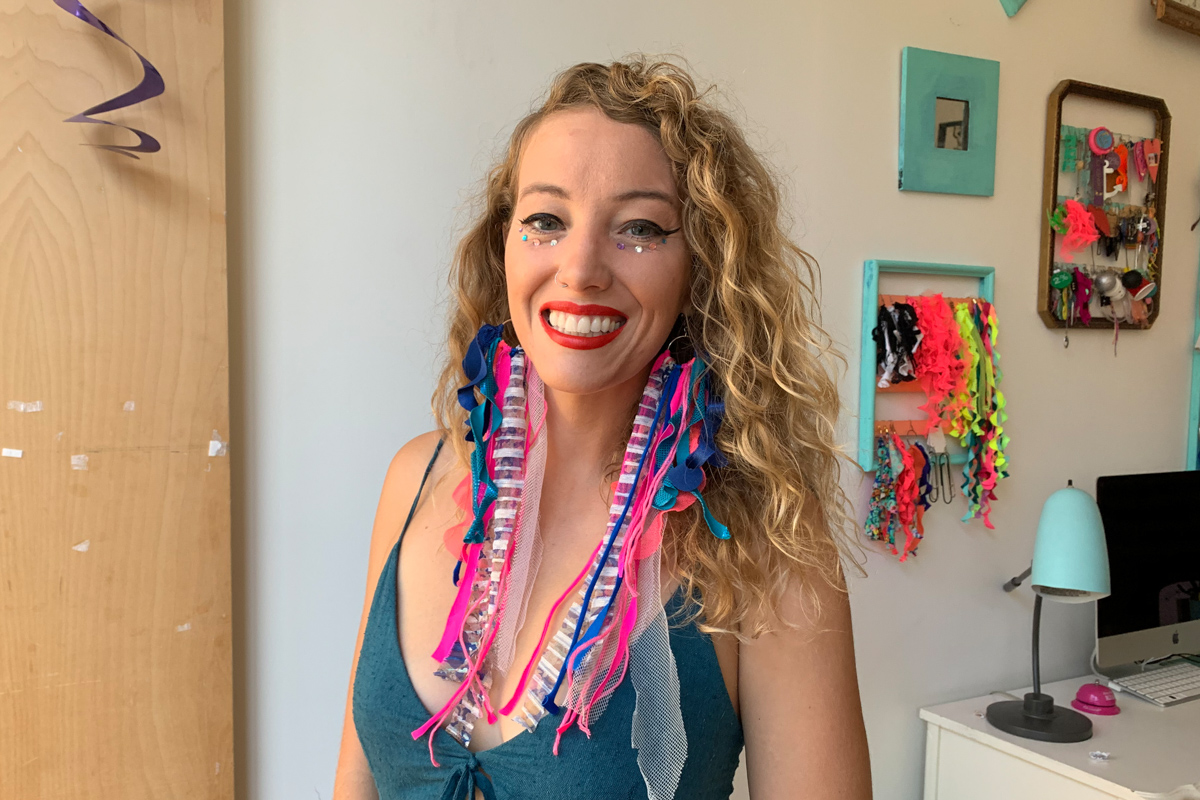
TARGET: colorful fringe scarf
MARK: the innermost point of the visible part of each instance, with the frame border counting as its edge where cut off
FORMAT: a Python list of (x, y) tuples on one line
[(979, 420), (608, 629)]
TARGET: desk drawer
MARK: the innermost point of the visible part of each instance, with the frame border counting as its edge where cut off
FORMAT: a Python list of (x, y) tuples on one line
[(958, 768)]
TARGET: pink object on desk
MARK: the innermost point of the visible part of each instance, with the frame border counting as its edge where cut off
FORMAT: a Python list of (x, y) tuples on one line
[(1095, 698)]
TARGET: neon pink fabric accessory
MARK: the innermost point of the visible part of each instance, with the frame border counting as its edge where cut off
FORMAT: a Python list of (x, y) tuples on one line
[(622, 633), (1081, 230)]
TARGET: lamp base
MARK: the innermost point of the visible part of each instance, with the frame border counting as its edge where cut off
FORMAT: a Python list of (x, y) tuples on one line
[(1036, 717)]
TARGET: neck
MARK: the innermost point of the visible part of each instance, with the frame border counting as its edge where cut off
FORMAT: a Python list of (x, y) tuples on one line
[(586, 430)]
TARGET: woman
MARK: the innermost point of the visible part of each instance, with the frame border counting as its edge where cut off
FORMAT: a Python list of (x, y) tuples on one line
[(650, 434)]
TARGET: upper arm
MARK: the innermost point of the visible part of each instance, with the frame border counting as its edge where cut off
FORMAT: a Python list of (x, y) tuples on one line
[(800, 706), (353, 780)]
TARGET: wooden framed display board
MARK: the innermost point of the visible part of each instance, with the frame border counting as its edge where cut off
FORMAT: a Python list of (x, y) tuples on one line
[(1104, 215)]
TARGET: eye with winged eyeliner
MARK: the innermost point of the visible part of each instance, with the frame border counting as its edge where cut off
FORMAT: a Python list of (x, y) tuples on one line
[(652, 230)]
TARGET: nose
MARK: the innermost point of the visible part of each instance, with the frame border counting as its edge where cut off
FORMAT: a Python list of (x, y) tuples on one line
[(583, 260)]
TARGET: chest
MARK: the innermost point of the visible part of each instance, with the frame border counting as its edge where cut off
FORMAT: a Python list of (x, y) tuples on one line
[(570, 536), (573, 520)]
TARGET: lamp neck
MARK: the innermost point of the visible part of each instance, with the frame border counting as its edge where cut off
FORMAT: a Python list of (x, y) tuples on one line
[(1037, 626)]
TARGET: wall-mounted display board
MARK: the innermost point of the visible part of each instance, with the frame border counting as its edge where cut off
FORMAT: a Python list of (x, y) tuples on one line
[(1182, 14), (1104, 204), (944, 350), (869, 364)]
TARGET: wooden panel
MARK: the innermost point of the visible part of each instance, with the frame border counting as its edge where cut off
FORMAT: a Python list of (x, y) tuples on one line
[(115, 631)]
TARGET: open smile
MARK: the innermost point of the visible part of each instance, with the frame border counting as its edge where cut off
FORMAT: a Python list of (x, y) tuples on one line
[(581, 327)]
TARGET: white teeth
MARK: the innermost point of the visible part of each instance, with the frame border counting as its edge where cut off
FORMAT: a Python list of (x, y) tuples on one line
[(583, 325)]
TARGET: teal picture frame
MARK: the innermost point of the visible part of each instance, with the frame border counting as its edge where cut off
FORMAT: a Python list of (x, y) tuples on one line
[(1011, 7), (1192, 453), (927, 75), (870, 318)]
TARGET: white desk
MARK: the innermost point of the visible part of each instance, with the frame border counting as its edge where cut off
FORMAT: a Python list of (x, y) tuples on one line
[(1151, 751)]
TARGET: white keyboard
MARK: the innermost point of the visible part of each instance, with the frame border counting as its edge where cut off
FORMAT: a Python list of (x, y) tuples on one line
[(1165, 686)]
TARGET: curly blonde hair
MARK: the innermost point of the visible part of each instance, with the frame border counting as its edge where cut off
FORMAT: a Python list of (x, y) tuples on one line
[(752, 314)]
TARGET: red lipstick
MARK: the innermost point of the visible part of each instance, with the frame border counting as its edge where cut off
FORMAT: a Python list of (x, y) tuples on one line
[(589, 310), (573, 341)]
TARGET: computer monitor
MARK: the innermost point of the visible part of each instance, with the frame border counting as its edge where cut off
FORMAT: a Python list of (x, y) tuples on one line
[(1152, 527)]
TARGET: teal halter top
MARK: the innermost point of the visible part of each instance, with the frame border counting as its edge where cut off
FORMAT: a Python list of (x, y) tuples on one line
[(386, 711)]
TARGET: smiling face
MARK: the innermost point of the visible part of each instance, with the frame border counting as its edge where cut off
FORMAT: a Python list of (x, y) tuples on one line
[(596, 268)]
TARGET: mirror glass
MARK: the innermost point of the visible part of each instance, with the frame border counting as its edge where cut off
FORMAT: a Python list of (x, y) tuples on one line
[(952, 119)]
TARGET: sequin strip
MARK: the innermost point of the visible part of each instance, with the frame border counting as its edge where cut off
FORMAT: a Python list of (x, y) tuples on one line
[(531, 711), (508, 457)]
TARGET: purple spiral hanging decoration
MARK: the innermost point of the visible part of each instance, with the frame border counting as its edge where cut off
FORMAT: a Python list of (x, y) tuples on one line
[(150, 86)]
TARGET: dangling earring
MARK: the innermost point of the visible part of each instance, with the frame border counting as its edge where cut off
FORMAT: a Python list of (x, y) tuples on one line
[(508, 332), (679, 344)]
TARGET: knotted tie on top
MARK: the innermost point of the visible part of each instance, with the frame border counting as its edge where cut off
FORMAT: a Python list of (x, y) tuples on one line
[(465, 779)]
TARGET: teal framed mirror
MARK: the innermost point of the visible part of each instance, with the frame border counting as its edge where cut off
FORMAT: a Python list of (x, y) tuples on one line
[(949, 106)]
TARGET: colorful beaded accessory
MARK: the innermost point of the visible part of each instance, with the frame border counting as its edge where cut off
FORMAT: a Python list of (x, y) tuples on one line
[(607, 631)]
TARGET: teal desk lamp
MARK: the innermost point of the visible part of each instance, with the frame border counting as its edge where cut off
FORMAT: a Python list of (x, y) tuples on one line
[(1070, 565)]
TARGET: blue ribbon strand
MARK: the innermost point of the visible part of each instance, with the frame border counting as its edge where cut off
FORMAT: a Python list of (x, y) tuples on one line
[(548, 701), (688, 472), (482, 417)]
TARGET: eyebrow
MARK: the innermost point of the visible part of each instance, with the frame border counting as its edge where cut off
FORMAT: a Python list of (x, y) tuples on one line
[(632, 194)]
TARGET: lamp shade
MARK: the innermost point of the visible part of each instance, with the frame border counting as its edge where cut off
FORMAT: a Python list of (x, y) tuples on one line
[(1070, 558)]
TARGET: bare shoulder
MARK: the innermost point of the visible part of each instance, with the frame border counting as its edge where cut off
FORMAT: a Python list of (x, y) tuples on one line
[(400, 486), (799, 686)]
